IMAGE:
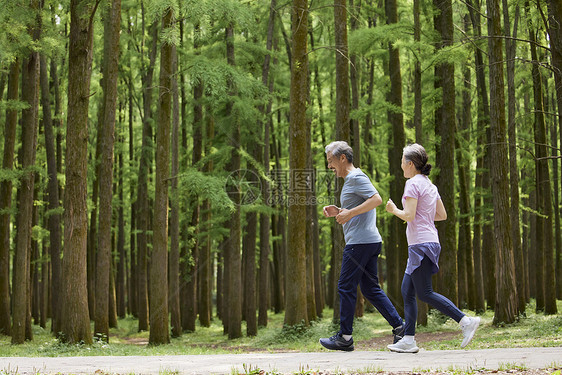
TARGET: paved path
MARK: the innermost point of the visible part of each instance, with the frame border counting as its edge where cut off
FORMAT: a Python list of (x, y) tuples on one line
[(290, 363)]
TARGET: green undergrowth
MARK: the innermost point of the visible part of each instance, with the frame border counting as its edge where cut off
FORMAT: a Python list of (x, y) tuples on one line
[(531, 330)]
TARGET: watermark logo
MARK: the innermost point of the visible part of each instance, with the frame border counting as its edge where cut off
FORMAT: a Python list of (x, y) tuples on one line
[(282, 187), (243, 186)]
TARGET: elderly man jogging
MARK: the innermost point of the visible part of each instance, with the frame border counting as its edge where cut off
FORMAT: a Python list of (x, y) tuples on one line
[(359, 198)]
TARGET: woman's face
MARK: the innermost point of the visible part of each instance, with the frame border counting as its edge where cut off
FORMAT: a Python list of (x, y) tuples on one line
[(408, 168)]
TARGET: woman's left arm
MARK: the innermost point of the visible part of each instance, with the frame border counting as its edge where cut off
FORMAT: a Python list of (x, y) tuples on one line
[(440, 212)]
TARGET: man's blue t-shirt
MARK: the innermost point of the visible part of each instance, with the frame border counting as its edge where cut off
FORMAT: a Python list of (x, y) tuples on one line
[(361, 229)]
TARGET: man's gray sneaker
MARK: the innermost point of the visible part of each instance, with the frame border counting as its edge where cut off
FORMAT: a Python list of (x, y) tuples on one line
[(337, 342)]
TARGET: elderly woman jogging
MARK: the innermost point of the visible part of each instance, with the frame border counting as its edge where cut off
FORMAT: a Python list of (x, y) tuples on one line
[(422, 207)]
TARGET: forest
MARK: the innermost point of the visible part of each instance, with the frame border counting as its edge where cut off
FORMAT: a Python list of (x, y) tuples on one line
[(164, 159)]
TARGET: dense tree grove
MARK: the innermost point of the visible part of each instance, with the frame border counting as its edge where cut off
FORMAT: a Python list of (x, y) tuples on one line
[(164, 159)]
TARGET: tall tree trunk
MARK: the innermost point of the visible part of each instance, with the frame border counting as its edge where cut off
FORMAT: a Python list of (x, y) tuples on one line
[(483, 246), (546, 288), (133, 248), (265, 218), (465, 256), (311, 223), (30, 120), (234, 297), (143, 210), (513, 163), (206, 258), (354, 78), (112, 26), (56, 251), (190, 288), (295, 302), (506, 309), (159, 332), (121, 284), (54, 219), (445, 128), (342, 132), (539, 126), (6, 199), (398, 249), (174, 272), (555, 34), (320, 285), (75, 317), (249, 268), (417, 76)]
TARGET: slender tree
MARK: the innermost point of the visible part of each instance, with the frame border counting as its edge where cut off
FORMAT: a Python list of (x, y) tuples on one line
[(174, 272), (296, 312), (30, 122), (234, 296), (342, 132), (445, 121), (142, 203), (54, 219), (397, 251), (10, 127), (555, 36), (265, 218), (159, 332), (506, 308), (75, 317), (112, 26), (513, 163)]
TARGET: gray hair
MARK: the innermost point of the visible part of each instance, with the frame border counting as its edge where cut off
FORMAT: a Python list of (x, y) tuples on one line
[(339, 148), (417, 155)]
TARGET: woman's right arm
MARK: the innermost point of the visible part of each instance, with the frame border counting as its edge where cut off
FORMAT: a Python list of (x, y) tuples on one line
[(440, 212), (409, 211)]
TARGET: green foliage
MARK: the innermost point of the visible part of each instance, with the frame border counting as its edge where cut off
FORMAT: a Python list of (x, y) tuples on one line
[(363, 41), (193, 183)]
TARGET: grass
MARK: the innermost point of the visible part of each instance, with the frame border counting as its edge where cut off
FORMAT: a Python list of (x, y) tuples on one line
[(532, 330)]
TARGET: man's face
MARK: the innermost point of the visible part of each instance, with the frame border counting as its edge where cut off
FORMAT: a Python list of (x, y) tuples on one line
[(336, 164)]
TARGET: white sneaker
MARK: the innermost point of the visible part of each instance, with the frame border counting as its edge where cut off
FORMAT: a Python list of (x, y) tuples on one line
[(468, 330), (403, 347)]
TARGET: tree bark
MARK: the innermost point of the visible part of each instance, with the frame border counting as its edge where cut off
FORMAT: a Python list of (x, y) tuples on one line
[(397, 251), (54, 219), (342, 133), (546, 288), (506, 309), (143, 210), (555, 34), (467, 294), (112, 26), (206, 257), (265, 218), (30, 121), (296, 312), (513, 163), (75, 317), (159, 332), (174, 272), (445, 128), (234, 296), (6, 199)]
